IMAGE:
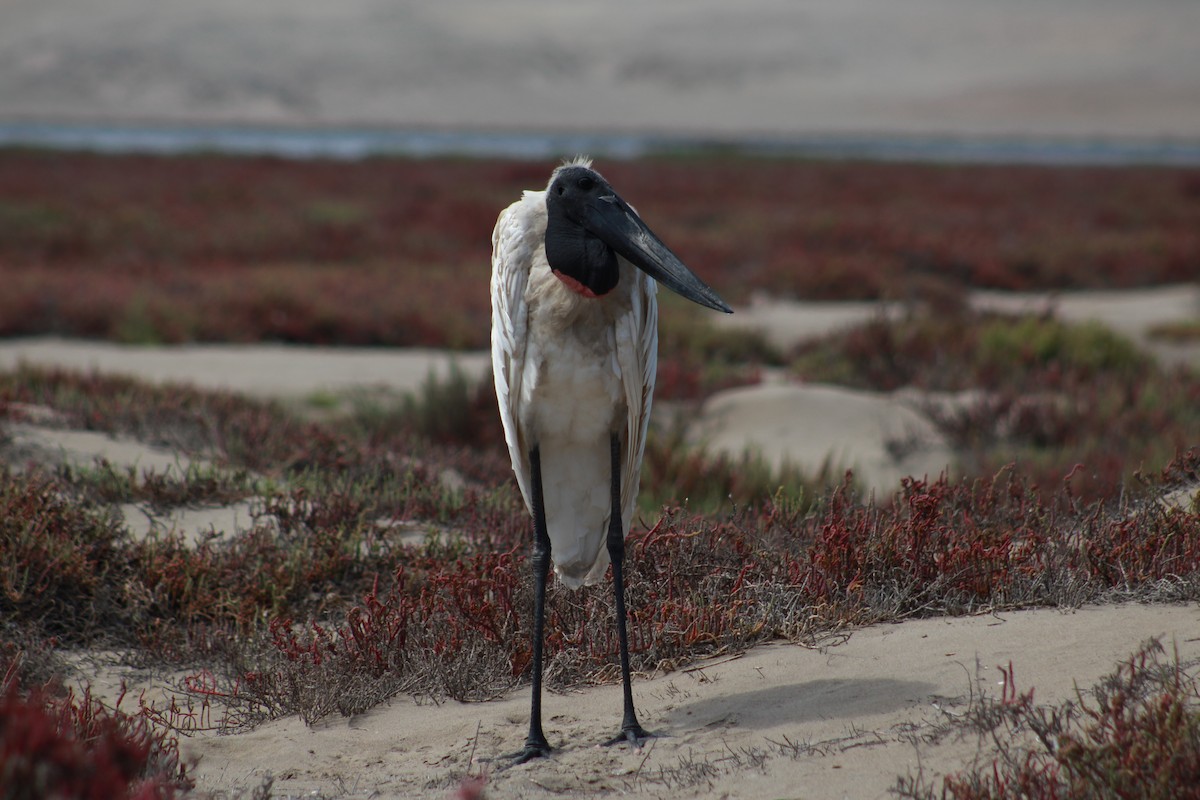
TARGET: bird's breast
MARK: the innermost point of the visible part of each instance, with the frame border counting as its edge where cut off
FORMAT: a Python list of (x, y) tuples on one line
[(573, 378), (576, 392)]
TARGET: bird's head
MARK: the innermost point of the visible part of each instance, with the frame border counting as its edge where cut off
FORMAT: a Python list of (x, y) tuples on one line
[(588, 225)]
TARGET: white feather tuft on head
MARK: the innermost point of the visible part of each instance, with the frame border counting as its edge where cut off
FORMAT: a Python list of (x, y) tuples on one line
[(577, 161)]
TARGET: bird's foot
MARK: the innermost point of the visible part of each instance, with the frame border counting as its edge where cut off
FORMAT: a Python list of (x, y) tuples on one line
[(635, 734), (535, 747)]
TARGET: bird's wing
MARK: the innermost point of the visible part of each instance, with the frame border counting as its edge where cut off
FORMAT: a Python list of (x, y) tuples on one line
[(514, 241), (637, 354)]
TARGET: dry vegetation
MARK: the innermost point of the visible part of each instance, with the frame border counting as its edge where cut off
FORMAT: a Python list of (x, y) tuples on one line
[(1135, 734), (328, 605)]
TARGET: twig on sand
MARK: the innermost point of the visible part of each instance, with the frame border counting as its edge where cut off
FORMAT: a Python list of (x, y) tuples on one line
[(648, 748), (474, 744), (702, 667)]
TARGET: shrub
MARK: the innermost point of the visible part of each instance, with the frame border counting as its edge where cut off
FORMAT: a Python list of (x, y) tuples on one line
[(1136, 736), (68, 746)]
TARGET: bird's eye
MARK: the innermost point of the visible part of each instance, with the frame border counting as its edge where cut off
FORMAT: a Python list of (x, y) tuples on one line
[(586, 184)]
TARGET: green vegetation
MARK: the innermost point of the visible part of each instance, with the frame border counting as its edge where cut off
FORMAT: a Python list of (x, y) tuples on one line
[(1033, 391), (1177, 332)]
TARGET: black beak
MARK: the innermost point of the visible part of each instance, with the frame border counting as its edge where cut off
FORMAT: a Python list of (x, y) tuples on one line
[(611, 220)]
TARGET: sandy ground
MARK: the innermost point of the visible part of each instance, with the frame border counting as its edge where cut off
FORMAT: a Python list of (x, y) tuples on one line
[(865, 705), (1079, 68), (863, 708), (291, 372)]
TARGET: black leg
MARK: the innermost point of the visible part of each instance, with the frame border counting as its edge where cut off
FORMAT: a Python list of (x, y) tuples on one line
[(631, 731), (536, 745)]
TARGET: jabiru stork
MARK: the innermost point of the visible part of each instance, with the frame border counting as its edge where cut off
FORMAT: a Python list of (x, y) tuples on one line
[(574, 353)]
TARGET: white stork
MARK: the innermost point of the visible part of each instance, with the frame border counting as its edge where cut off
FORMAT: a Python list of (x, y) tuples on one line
[(574, 352)]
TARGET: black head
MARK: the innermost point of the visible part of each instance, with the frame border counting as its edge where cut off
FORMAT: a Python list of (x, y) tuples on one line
[(588, 225), (572, 249)]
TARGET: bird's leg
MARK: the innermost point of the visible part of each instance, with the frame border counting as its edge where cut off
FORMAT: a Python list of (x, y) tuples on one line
[(631, 731), (536, 745)]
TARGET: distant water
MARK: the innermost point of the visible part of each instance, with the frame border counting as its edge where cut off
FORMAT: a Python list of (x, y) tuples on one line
[(357, 143)]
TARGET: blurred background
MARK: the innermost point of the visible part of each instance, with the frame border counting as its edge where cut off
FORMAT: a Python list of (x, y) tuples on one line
[(1085, 115), (810, 70)]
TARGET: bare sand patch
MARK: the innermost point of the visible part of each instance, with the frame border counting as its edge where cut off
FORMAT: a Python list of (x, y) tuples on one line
[(25, 443), (261, 370), (880, 437), (862, 704)]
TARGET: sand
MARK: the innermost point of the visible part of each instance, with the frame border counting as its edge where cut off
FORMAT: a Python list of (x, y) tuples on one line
[(865, 704), (826, 428), (289, 372)]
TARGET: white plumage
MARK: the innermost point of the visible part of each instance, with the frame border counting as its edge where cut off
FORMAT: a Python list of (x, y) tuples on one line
[(570, 370), (575, 277)]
